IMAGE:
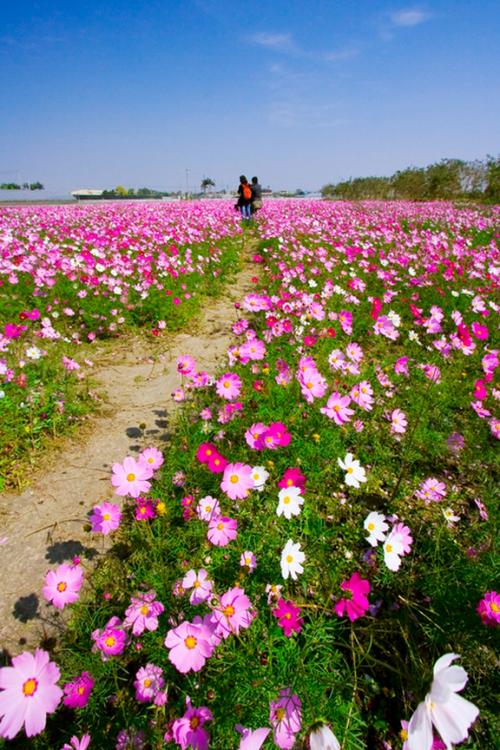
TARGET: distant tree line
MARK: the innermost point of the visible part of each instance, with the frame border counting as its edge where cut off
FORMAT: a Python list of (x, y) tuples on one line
[(24, 186), (449, 179), (144, 192)]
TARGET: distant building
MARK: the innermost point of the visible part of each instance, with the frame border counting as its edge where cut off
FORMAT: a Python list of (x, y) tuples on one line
[(86, 194)]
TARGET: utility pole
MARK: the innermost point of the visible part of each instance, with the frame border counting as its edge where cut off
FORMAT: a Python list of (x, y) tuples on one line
[(187, 181)]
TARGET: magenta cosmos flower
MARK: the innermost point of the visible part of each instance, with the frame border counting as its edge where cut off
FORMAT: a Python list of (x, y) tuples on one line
[(149, 684), (489, 608), (131, 477), (189, 730), (237, 481), (77, 744), (288, 616), (62, 585), (77, 691), (293, 478), (28, 693), (222, 530), (143, 613), (145, 509), (233, 613), (190, 645), (105, 518), (228, 386), (111, 640), (355, 602)]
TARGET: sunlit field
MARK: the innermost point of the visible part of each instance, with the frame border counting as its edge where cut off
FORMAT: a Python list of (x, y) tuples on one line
[(320, 530)]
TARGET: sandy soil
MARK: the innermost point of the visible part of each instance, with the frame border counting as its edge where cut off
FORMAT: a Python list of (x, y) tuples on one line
[(43, 525)]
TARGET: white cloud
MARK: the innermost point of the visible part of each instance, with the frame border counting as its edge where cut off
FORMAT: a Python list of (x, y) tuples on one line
[(347, 53), (278, 42), (409, 17)]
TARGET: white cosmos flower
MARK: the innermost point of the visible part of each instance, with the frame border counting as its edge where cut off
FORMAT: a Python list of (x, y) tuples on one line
[(291, 559), (355, 474), (393, 550), (289, 503), (322, 738), (259, 476), (451, 714), (376, 527)]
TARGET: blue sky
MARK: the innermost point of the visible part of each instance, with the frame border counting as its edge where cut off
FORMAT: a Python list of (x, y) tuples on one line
[(302, 92)]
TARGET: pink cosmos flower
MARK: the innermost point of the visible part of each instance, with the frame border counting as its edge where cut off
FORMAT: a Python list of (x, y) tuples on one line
[(77, 744), (248, 560), (77, 691), (190, 645), (362, 395), (151, 458), (254, 349), (355, 604), (222, 530), (252, 739), (62, 586), (111, 640), (488, 609), (130, 478), (28, 693), (229, 386), (200, 584), (403, 534), (274, 437), (237, 481), (345, 320), (480, 331), (398, 422), (431, 489), (336, 408), (293, 477), (233, 613), (143, 612), (189, 730), (149, 684), (186, 365), (254, 434), (313, 385), (285, 717), (495, 427), (69, 364), (105, 518), (288, 616)]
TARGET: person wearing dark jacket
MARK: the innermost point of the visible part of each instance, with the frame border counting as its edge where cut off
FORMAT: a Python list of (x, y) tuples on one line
[(244, 198), (256, 204)]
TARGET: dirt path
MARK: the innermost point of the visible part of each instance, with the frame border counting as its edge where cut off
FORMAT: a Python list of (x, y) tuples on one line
[(44, 524)]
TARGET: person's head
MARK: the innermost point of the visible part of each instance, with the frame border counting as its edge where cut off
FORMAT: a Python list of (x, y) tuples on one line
[(255, 180), (243, 179)]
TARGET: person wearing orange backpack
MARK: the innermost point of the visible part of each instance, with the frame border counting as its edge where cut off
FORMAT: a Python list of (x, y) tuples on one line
[(244, 198)]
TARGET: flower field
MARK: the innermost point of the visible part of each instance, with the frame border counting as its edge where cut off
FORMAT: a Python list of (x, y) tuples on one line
[(311, 561), (71, 276)]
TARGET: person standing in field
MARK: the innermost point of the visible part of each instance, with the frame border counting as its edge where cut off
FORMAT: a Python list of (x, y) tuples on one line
[(256, 204), (244, 198)]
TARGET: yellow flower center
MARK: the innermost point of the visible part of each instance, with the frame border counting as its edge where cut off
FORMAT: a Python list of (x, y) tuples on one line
[(226, 384), (371, 526), (280, 714), (349, 470), (62, 586), (150, 460), (80, 690), (289, 558), (233, 478), (194, 723), (146, 683), (388, 547), (220, 526), (144, 609), (228, 611), (494, 607), (190, 641), (106, 517), (110, 641), (130, 477), (287, 616), (208, 508), (289, 483), (336, 407), (286, 500), (196, 584), (404, 735), (30, 686)]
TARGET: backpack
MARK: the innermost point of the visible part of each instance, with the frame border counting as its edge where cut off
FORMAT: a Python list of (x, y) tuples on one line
[(247, 192)]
